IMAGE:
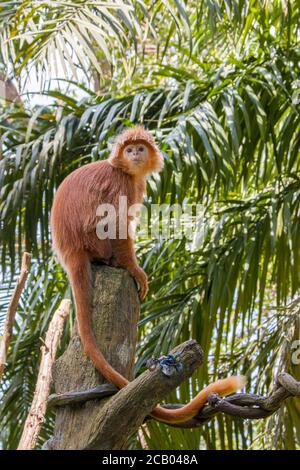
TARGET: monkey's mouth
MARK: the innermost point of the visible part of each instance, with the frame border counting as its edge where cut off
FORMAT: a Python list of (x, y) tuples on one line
[(138, 160)]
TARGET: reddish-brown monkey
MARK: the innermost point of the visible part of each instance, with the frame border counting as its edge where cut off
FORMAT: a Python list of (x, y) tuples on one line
[(73, 222)]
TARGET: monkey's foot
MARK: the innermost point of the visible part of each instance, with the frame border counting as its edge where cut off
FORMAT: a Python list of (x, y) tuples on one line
[(142, 280)]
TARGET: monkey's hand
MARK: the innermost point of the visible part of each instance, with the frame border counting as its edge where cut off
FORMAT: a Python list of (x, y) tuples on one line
[(142, 280)]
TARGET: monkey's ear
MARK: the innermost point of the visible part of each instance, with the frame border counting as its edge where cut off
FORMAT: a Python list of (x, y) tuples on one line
[(116, 151), (158, 160)]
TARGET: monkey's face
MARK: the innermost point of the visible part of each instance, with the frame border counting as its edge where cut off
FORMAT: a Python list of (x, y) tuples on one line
[(136, 153), (137, 158)]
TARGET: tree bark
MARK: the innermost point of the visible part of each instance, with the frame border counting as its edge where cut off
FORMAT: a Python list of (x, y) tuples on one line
[(89, 417), (115, 313), (125, 412), (85, 422)]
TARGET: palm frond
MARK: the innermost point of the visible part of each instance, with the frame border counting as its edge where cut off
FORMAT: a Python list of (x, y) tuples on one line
[(221, 97)]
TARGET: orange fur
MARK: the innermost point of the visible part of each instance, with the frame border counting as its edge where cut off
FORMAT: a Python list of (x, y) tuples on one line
[(73, 223)]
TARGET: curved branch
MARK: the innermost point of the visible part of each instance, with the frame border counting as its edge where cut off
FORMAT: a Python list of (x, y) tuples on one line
[(241, 405), (244, 405)]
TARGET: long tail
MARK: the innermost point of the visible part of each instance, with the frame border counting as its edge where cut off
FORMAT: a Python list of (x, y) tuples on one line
[(79, 270), (223, 387)]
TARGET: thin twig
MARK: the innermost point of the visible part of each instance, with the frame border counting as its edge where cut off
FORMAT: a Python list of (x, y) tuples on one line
[(38, 408), (11, 313)]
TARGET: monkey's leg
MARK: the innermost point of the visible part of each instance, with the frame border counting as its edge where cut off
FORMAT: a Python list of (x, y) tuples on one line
[(123, 256), (99, 250)]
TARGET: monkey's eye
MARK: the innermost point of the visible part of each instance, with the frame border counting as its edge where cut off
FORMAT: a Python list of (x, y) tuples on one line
[(141, 149), (129, 150)]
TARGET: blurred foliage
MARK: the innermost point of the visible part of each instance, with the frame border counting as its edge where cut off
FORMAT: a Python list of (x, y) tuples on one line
[(217, 82)]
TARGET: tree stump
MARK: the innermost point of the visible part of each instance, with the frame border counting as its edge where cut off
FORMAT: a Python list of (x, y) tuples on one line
[(115, 313)]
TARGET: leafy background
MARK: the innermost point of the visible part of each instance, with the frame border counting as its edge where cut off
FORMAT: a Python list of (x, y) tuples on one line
[(217, 82)]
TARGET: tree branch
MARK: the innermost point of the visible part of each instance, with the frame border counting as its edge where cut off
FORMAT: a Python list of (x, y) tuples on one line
[(70, 398), (125, 412), (242, 405), (103, 416), (245, 405), (12, 309), (37, 411)]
